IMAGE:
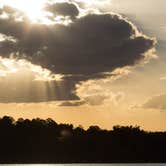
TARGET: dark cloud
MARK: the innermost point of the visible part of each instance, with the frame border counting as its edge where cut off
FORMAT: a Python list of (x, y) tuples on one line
[(86, 48), (92, 44), (63, 9), (6, 47), (156, 102)]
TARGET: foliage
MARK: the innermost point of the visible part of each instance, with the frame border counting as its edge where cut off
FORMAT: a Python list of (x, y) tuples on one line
[(45, 141)]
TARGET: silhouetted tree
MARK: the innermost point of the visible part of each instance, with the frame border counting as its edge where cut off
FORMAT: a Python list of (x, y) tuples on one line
[(45, 141)]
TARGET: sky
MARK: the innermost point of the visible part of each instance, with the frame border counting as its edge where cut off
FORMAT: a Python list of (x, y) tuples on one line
[(85, 62)]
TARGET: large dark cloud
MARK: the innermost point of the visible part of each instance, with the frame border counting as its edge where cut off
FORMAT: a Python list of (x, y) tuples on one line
[(82, 50), (63, 9), (92, 44)]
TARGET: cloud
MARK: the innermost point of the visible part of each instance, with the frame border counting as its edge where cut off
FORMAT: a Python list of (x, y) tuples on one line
[(156, 102), (9, 12), (87, 48), (96, 100), (21, 82), (76, 49), (96, 92), (63, 9), (95, 4), (72, 103), (28, 91)]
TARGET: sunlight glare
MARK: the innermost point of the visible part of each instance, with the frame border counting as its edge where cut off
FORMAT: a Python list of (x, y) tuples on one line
[(13, 66), (33, 9)]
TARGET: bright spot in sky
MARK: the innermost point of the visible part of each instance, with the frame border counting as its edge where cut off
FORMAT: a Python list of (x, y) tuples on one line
[(13, 66), (33, 9)]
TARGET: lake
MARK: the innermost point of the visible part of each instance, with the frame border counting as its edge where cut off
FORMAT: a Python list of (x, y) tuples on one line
[(84, 164)]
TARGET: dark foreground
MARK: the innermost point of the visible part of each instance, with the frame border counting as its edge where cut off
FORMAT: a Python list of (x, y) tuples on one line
[(45, 141)]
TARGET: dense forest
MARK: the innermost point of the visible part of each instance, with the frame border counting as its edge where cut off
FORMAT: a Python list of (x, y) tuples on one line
[(45, 141)]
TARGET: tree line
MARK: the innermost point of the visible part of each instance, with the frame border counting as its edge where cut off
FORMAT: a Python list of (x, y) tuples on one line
[(45, 141)]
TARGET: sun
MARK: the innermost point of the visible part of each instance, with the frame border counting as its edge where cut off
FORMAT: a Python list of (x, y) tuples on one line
[(32, 8)]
